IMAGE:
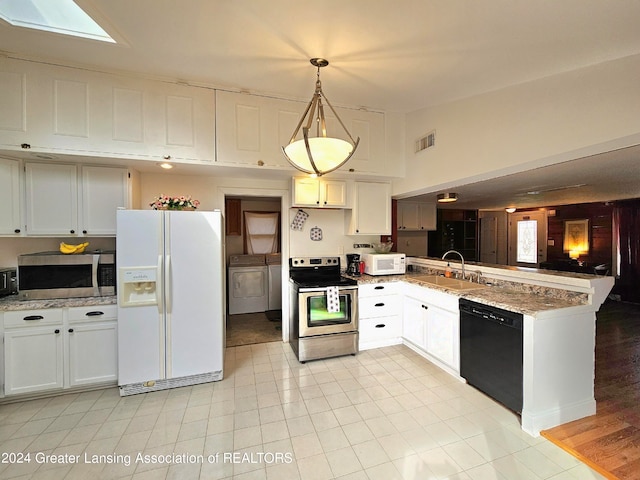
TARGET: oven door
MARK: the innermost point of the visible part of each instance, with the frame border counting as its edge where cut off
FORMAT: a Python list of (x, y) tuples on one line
[(315, 319)]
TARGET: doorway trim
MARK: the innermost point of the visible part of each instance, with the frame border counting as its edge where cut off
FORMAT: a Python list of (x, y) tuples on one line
[(285, 202)]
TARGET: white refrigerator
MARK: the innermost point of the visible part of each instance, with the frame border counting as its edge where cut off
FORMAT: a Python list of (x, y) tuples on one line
[(171, 324)]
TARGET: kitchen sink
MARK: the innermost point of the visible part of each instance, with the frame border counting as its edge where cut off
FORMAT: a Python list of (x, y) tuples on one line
[(452, 283)]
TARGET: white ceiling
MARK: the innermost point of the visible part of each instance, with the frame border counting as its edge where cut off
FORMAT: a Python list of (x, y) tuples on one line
[(399, 55)]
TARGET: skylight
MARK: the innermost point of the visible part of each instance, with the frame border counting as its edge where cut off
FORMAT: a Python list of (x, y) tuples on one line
[(58, 16)]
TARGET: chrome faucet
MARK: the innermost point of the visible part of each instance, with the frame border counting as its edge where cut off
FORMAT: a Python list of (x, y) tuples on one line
[(461, 259)]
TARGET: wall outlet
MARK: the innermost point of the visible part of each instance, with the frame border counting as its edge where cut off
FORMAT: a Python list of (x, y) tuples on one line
[(361, 245)]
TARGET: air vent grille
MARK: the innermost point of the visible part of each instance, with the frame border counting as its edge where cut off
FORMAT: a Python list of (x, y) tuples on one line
[(428, 141)]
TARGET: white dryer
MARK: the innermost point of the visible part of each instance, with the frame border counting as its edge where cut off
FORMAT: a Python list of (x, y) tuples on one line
[(248, 284)]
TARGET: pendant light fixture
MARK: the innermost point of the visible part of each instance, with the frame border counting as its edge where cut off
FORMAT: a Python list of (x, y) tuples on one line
[(447, 197), (318, 154)]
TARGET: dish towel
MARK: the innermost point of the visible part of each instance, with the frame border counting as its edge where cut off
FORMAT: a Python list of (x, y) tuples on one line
[(333, 300)]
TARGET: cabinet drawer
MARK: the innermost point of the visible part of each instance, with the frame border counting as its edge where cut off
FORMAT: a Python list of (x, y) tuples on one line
[(97, 313), (28, 318), (376, 329), (377, 289), (383, 306)]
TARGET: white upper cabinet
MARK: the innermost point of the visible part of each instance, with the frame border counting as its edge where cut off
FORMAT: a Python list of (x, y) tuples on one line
[(53, 191), (51, 199), (369, 157), (251, 130), (10, 222), (371, 209), (416, 216), (104, 191), (314, 192), (67, 110)]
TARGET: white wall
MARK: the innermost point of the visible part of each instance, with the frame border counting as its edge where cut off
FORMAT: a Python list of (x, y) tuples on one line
[(554, 119), (334, 241)]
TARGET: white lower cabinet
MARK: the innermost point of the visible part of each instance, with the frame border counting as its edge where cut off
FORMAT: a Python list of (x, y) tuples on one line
[(414, 323), (54, 349), (431, 325), (380, 315), (33, 351), (93, 345)]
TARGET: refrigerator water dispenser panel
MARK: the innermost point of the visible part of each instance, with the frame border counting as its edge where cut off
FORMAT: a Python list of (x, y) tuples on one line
[(138, 286)]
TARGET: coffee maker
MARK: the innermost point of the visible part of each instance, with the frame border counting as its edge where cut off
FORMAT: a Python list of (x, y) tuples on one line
[(353, 264)]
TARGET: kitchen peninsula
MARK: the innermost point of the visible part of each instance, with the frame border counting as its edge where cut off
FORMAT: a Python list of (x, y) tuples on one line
[(559, 314)]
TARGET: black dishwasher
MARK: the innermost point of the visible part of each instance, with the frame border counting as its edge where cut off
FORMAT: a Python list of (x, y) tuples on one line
[(491, 352)]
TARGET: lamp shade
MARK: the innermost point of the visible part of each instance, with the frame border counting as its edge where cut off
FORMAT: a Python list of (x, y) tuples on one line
[(327, 153)]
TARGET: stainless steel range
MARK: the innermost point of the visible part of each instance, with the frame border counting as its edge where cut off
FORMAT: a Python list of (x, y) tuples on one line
[(323, 321)]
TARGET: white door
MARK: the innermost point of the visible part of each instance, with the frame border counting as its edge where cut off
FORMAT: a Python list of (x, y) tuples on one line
[(527, 238), (489, 240), (139, 243), (194, 292)]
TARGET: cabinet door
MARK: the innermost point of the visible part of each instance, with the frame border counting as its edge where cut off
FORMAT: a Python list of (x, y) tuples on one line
[(93, 353), (180, 122), (33, 359), (369, 127), (442, 335), (51, 199), (251, 130), (408, 216), (306, 192), (104, 190), (414, 322), (371, 214), (333, 193), (427, 212), (10, 223)]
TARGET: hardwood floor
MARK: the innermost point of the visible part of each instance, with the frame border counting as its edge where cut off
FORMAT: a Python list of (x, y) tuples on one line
[(609, 441)]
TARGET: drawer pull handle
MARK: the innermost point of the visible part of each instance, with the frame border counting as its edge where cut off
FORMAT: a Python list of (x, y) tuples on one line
[(379, 305), (380, 325), (33, 317), (425, 307), (94, 313), (378, 287), (56, 331), (71, 330)]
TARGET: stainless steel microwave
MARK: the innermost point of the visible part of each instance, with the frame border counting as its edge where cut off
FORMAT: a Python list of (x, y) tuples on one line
[(47, 275)]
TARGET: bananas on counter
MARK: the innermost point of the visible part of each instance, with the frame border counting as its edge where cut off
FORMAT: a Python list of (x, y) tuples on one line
[(66, 248)]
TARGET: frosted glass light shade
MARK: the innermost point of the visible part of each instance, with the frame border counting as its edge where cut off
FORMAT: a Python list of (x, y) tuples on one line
[(327, 153)]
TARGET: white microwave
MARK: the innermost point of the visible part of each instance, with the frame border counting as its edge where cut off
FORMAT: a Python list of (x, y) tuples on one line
[(384, 263)]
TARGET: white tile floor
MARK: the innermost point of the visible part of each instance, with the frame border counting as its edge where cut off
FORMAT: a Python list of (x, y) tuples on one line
[(381, 415)]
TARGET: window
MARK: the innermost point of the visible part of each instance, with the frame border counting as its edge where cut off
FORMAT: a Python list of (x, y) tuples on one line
[(59, 16)]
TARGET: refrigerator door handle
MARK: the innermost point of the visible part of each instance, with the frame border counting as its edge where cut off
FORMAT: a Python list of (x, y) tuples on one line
[(167, 280), (159, 284)]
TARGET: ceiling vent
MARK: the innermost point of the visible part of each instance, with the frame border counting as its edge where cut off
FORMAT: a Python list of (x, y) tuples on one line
[(428, 141)]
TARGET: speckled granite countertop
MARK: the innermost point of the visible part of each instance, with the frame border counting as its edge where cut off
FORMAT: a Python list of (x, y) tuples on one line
[(524, 299), (11, 303)]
